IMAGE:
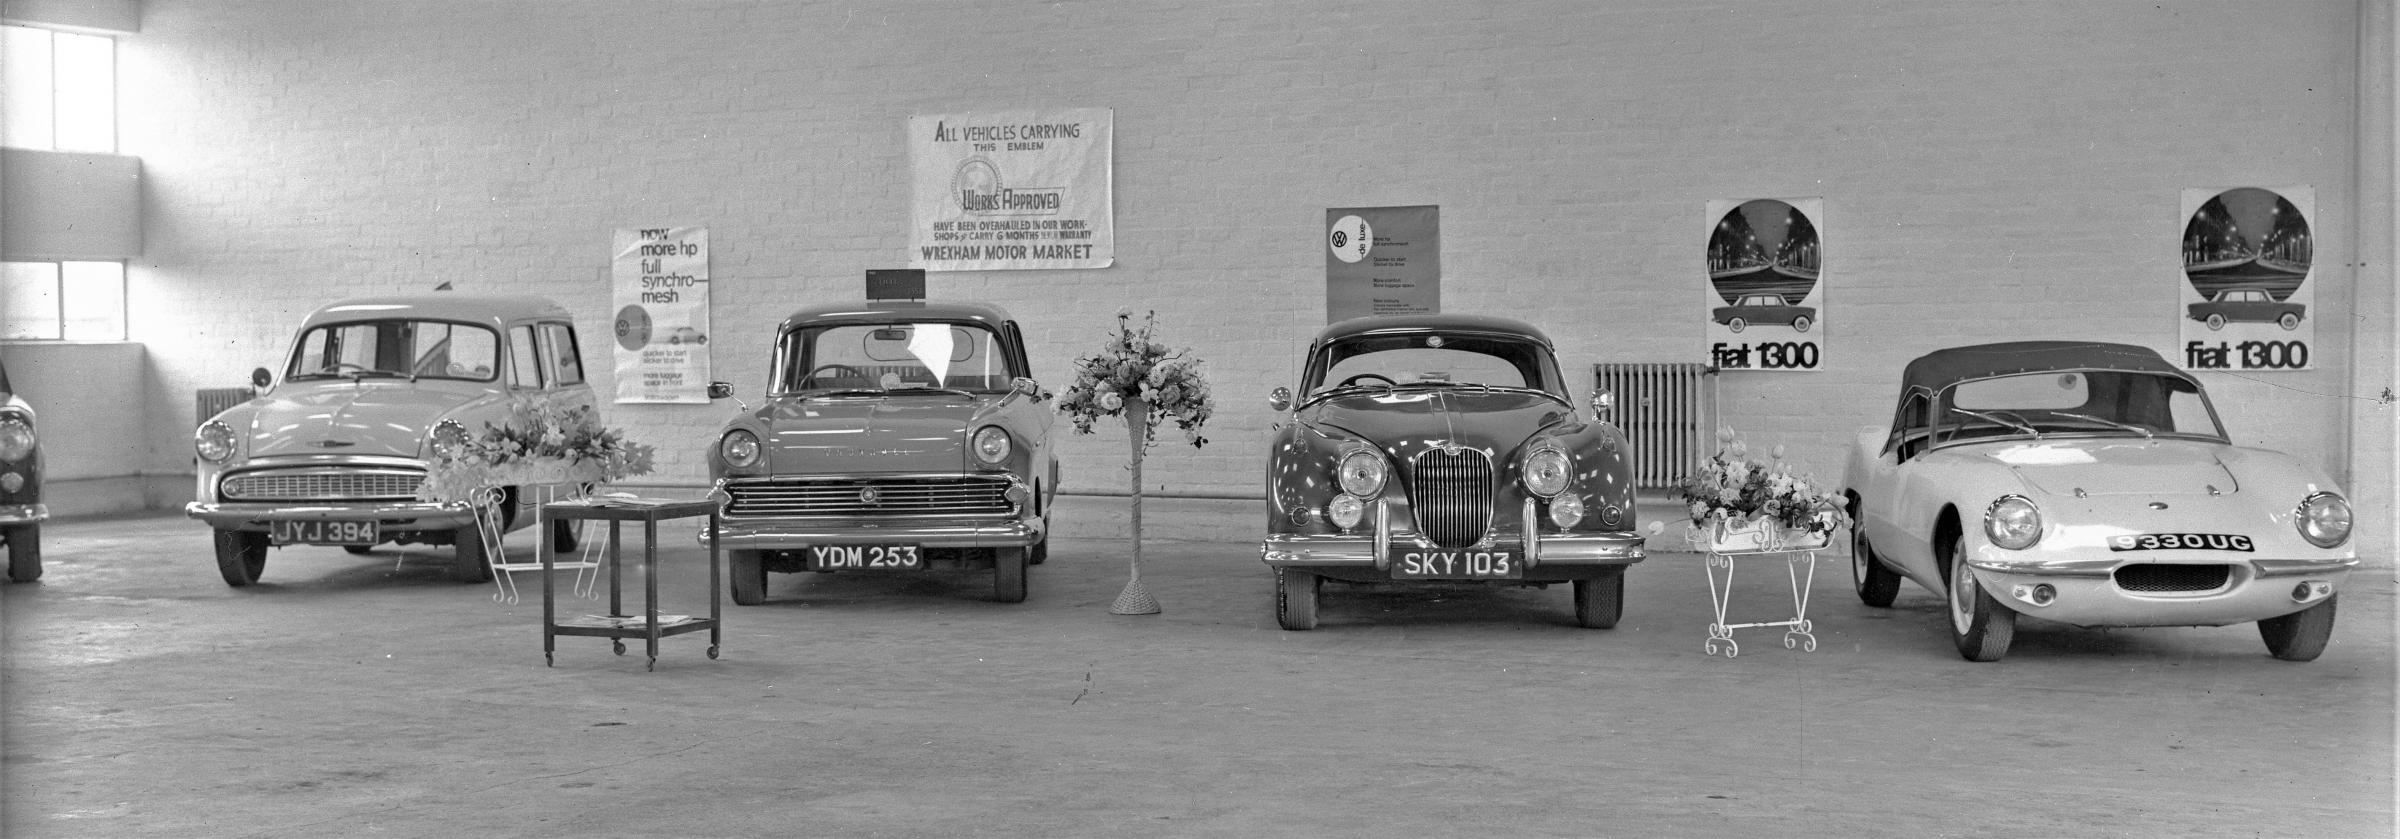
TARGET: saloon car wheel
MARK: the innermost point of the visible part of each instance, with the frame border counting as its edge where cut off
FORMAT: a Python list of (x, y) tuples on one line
[(1876, 585), (24, 552), (1801, 323), (1982, 627), (1737, 324), (2301, 635), (2289, 321), (1600, 602), (2216, 322), (241, 555), (1296, 598), (1008, 574), (469, 562), (749, 569)]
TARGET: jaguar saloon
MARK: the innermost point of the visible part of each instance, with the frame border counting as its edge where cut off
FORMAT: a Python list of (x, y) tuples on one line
[(21, 509)]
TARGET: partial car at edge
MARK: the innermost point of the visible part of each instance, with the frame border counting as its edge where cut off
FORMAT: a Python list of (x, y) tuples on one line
[(21, 509)]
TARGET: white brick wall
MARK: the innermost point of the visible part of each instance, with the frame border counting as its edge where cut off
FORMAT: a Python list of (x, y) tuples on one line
[(1990, 171)]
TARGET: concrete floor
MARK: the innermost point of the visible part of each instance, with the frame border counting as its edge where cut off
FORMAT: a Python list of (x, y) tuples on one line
[(370, 696)]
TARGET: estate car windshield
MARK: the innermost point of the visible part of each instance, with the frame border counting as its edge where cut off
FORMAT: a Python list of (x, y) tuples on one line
[(1433, 360), (893, 358), (2079, 403), (405, 349)]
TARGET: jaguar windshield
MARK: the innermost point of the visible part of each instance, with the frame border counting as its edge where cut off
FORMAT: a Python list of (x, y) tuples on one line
[(1432, 360)]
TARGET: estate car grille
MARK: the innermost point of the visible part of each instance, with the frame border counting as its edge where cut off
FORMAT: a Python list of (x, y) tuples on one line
[(1452, 496), (897, 496), (318, 483), (2173, 579)]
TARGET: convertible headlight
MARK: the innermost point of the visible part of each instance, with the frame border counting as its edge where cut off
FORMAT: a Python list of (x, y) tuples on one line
[(16, 438), (1546, 472), (2013, 523), (449, 439), (2324, 519), (214, 441), (991, 445), (1362, 474), (1346, 511), (739, 447)]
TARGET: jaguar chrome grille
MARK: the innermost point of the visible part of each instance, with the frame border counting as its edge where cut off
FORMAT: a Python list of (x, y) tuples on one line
[(1452, 496), (961, 495), (2167, 578), (323, 484)]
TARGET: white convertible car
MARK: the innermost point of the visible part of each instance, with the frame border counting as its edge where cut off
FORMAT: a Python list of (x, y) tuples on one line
[(2090, 484)]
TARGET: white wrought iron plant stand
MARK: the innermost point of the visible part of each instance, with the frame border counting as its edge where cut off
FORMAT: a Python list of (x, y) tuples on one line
[(1725, 543), (546, 484)]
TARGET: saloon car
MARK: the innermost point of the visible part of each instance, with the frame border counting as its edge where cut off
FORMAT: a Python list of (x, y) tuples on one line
[(1764, 308), (332, 450), (1444, 448), (2246, 305), (894, 437), (21, 507), (2089, 484)]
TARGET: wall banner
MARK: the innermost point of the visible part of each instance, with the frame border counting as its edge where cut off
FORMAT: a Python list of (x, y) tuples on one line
[(1765, 295), (2246, 302), (1383, 261), (1012, 189), (661, 280)]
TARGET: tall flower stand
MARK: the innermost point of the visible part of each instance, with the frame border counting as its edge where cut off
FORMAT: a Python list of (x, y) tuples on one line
[(545, 483), (1725, 543), (1136, 600)]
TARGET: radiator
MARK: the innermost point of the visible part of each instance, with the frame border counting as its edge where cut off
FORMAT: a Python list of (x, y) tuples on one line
[(1666, 411), (215, 399)]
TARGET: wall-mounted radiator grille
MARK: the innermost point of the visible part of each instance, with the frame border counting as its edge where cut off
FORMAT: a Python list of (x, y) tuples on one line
[(1665, 410)]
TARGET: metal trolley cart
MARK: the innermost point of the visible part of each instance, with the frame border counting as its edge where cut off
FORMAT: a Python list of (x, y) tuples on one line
[(617, 625)]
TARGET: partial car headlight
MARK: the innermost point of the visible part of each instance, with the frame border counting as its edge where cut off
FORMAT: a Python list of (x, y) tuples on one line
[(739, 447), (16, 438), (1566, 510), (1546, 472), (449, 439), (991, 445), (2324, 519), (1346, 511), (2013, 523), (1362, 474), (214, 441)]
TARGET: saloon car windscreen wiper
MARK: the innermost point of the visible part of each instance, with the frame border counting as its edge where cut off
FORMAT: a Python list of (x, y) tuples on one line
[(2146, 435), (1994, 418), (932, 389)]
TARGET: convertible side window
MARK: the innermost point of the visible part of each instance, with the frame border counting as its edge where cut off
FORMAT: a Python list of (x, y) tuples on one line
[(1910, 427)]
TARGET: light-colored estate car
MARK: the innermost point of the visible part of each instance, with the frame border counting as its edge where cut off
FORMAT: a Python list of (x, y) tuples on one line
[(21, 507), (2089, 484), (1445, 448), (894, 436), (333, 452)]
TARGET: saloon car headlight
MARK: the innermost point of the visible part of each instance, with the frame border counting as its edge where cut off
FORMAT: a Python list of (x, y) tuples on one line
[(1346, 511), (16, 438), (2324, 519), (991, 445), (1546, 472), (214, 441), (1362, 474), (739, 447), (1566, 511), (449, 439), (2013, 523)]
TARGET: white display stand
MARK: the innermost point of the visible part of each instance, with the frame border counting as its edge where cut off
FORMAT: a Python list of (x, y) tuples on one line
[(495, 546), (1726, 545)]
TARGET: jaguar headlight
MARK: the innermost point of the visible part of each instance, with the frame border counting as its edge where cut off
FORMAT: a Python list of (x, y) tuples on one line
[(1362, 474), (2013, 522), (1546, 472), (990, 444), (214, 442), (739, 447), (16, 438), (449, 439), (2323, 519)]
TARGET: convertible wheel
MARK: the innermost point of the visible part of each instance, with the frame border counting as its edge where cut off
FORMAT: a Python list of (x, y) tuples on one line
[(2289, 321), (749, 570), (469, 562), (24, 552), (1800, 324), (1008, 574), (2301, 635), (1296, 598), (1876, 584), (1981, 626), (1600, 601), (241, 555)]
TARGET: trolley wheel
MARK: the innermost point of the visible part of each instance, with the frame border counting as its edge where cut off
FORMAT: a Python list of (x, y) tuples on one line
[(712, 652), (618, 645)]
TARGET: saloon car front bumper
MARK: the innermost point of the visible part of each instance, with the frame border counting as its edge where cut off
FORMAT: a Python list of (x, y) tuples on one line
[(388, 515), (2086, 592), (792, 535)]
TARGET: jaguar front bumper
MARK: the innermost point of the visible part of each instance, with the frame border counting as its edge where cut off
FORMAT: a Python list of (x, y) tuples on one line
[(1378, 550)]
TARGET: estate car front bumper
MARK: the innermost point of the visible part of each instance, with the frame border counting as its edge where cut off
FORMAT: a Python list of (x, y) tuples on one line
[(389, 515)]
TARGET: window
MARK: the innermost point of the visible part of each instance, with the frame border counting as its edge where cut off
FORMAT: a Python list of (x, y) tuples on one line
[(60, 90), (566, 359), (524, 360), (72, 301)]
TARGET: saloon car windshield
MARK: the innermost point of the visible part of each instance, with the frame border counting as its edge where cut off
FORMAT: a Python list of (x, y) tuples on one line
[(1428, 359), (404, 349), (2076, 403), (893, 358)]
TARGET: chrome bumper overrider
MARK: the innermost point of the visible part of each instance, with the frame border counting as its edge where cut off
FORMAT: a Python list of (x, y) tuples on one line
[(397, 515), (738, 535), (23, 513), (1580, 549)]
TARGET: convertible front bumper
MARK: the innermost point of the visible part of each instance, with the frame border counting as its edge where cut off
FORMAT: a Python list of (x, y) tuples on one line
[(389, 515), (2090, 592)]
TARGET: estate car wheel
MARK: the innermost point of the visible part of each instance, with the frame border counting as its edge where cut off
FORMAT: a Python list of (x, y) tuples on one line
[(24, 552), (749, 571), (1296, 598), (241, 555), (2301, 635), (1980, 625), (563, 535), (1876, 584), (469, 562), (359, 550), (1599, 602), (1008, 574)]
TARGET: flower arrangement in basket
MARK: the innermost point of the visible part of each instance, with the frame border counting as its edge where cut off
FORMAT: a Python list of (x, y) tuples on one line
[(1737, 501), (1136, 377), (543, 441)]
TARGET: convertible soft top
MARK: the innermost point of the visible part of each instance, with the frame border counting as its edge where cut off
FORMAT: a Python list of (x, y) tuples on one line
[(1942, 368)]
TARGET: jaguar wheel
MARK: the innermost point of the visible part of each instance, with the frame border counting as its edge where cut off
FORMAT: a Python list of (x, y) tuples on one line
[(24, 552), (749, 572), (1599, 602), (1296, 598), (1981, 626), (241, 556), (2301, 635), (1008, 574)]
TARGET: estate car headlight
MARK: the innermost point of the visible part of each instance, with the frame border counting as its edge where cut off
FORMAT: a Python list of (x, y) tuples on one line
[(214, 441), (1546, 471), (1361, 473), (2013, 522), (2324, 519), (739, 447), (16, 438), (449, 439), (990, 444)]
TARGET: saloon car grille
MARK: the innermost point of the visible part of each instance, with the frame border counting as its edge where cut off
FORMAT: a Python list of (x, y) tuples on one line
[(2173, 579), (1453, 496), (322, 484), (963, 495)]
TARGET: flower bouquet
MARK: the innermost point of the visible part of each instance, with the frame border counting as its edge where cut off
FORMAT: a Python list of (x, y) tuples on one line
[(542, 442), (1742, 504), (1136, 377)]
